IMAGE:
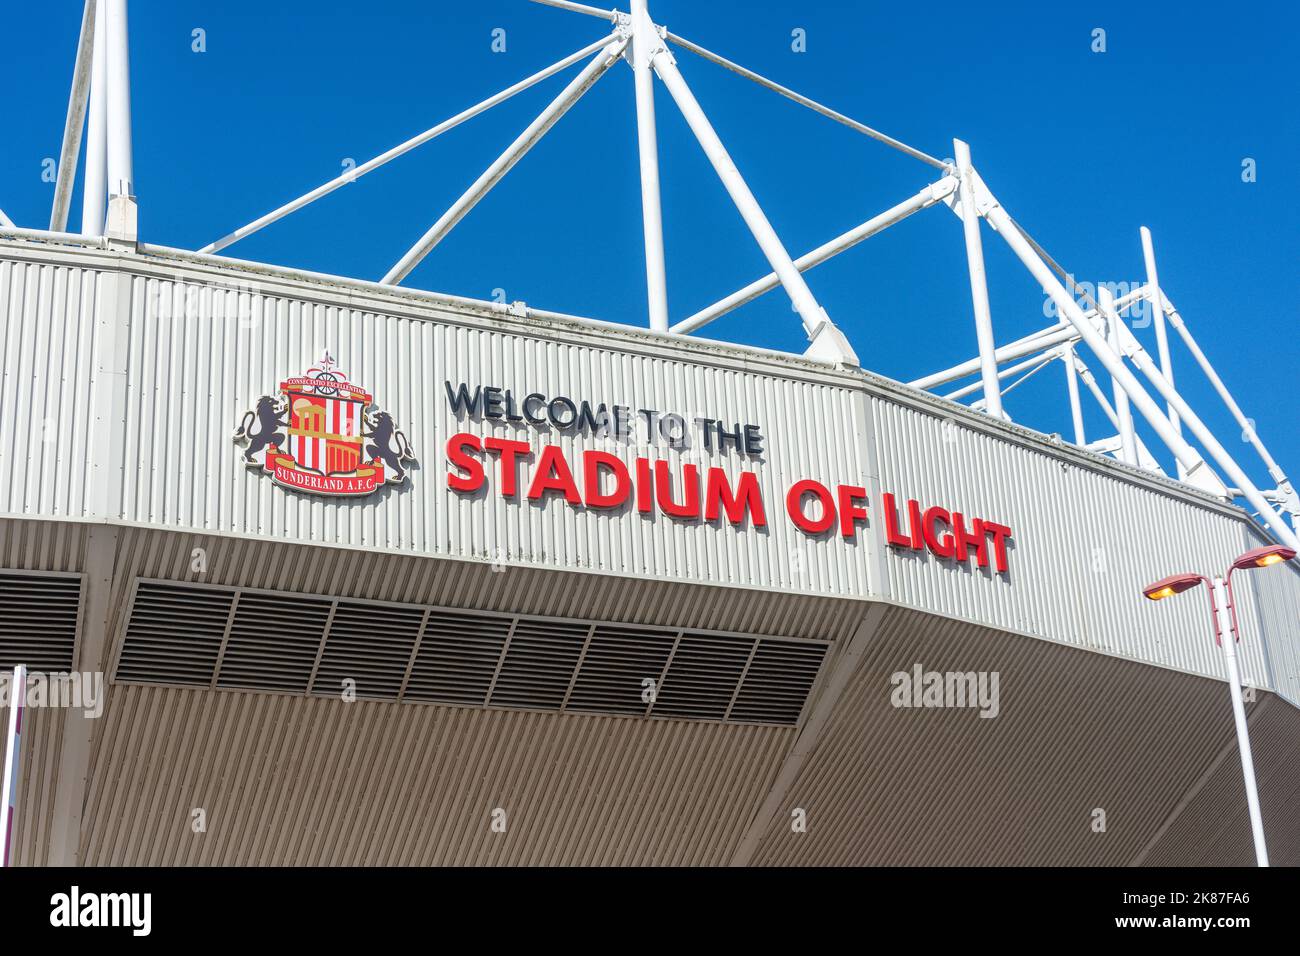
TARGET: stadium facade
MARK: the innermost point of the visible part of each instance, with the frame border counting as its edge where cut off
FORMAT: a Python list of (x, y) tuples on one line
[(482, 584)]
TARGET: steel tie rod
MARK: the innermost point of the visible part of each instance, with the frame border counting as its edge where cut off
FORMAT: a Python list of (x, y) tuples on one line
[(804, 101), (354, 174)]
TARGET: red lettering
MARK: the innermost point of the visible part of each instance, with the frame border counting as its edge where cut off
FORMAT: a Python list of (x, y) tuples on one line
[(717, 492), (553, 475), (944, 547), (508, 450), (850, 512), (892, 534), (690, 506), (914, 519), (966, 539), (794, 506), (592, 463), (644, 487), (472, 480), (1000, 534)]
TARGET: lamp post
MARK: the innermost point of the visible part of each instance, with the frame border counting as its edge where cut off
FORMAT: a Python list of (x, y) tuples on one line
[(1224, 617)]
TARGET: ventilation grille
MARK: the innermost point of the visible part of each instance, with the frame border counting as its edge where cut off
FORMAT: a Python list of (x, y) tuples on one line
[(174, 634), (38, 620), (310, 644)]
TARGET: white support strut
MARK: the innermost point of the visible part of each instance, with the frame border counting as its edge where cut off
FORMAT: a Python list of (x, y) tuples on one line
[(75, 122), (1123, 411), (645, 43), (1196, 467), (506, 161), (1247, 427), (1072, 388), (1039, 358), (94, 183), (927, 197), (814, 318), (120, 165), (979, 292), (1158, 317), (400, 149)]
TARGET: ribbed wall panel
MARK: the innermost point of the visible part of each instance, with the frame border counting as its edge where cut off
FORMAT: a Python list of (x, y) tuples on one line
[(1086, 540), (38, 773), (204, 343), (1201, 833), (47, 345), (201, 354), (1075, 732), (302, 781)]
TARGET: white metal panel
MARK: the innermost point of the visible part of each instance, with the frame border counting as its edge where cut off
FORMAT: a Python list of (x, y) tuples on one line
[(1087, 538), (202, 354), (204, 342), (47, 343)]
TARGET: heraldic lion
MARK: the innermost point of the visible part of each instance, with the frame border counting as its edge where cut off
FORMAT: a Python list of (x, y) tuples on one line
[(387, 443), (267, 416)]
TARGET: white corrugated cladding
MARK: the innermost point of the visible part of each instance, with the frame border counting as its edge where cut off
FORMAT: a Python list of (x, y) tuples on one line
[(1086, 540), (47, 342), (204, 342), (195, 368)]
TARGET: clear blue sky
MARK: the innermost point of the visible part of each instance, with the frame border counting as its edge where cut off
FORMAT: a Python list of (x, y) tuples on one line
[(1081, 147)]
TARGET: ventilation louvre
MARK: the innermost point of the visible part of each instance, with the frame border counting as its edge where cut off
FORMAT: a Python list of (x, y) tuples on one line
[(38, 620), (778, 681), (703, 677), (313, 644), (615, 668), (457, 658), (371, 645), (174, 634), (539, 664), (273, 642)]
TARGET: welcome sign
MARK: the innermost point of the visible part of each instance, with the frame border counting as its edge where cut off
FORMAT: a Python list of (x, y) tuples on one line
[(597, 480)]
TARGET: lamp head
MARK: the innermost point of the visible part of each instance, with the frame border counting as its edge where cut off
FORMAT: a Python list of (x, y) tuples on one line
[(1168, 587), (1263, 557)]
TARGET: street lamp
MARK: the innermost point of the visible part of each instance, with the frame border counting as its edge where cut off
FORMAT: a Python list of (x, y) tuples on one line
[(1224, 616)]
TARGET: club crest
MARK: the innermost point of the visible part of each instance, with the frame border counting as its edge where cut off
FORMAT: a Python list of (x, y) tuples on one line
[(323, 436)]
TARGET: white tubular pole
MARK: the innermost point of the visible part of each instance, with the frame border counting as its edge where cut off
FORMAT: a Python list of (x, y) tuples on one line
[(1221, 598), (1039, 358), (1123, 413), (1235, 475), (354, 174), (804, 302), (1248, 430), (1070, 309), (802, 100), (1053, 335), (1156, 299), (979, 292), (94, 183), (120, 175), (76, 120), (13, 754), (1184, 452), (610, 15), (1091, 381), (926, 197), (1072, 386), (644, 41), (506, 161)]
